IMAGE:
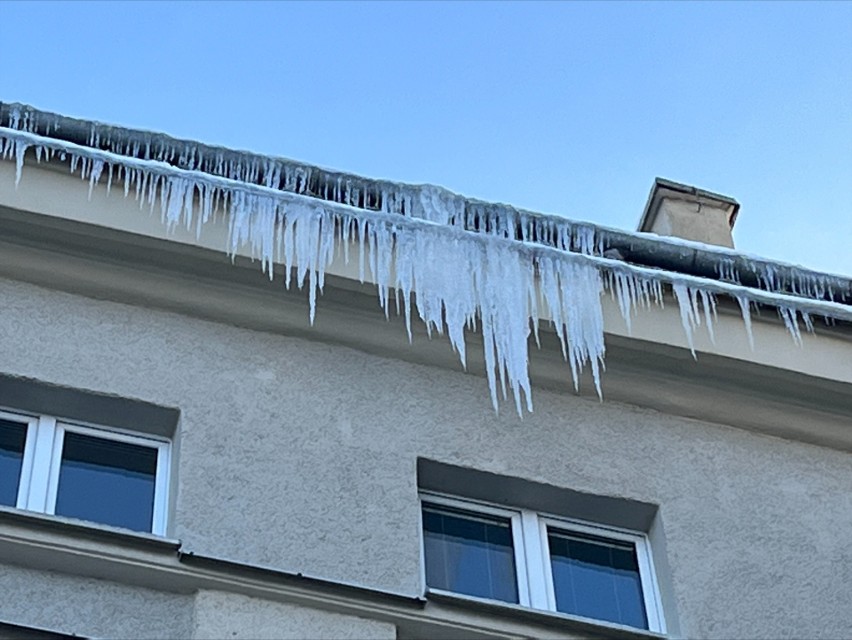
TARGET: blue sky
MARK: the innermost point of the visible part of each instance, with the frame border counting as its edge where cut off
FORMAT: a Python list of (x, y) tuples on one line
[(569, 108)]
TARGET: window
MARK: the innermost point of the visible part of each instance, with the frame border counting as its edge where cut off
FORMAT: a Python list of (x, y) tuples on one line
[(90, 473), (539, 561)]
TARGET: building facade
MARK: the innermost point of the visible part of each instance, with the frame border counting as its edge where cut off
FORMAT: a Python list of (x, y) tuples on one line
[(192, 449)]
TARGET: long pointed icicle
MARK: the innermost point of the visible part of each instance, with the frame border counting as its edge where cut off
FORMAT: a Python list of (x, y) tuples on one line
[(745, 308), (688, 313)]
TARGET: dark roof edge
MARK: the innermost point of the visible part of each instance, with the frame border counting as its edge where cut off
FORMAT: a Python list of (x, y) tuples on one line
[(643, 249)]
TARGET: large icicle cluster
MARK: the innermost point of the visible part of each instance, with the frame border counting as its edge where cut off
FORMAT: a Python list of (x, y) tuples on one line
[(462, 265)]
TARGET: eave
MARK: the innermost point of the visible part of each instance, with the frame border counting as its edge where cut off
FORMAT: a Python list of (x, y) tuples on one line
[(643, 249)]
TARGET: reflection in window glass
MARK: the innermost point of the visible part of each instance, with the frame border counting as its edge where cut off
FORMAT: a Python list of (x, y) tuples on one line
[(469, 553), (596, 578), (107, 481), (13, 435)]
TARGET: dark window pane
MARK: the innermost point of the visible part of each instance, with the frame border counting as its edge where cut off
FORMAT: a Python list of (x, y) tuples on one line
[(12, 438), (597, 578), (106, 481), (469, 553)]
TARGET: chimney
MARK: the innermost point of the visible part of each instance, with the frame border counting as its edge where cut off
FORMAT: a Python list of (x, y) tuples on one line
[(678, 210)]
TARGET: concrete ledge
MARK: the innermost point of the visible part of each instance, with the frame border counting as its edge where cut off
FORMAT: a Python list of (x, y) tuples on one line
[(450, 604), (52, 544)]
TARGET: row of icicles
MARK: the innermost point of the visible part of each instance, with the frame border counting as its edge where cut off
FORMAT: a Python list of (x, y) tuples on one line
[(501, 286)]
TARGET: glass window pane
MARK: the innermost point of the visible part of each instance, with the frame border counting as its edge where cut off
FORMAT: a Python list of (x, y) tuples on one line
[(107, 481), (13, 435), (469, 553), (596, 578)]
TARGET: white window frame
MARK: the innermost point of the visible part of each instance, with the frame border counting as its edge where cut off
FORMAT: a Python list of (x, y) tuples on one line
[(534, 574), (514, 518), (45, 438), (641, 545)]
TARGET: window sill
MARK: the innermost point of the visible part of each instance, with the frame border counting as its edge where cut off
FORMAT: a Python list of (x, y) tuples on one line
[(83, 529), (586, 627)]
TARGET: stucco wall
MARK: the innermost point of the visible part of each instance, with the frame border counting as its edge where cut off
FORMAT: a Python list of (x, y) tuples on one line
[(226, 615), (302, 456), (91, 608)]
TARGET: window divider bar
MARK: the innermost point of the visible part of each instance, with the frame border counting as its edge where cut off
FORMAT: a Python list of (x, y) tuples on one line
[(650, 588), (534, 551), (53, 463), (161, 491), (27, 462), (521, 560), (38, 482)]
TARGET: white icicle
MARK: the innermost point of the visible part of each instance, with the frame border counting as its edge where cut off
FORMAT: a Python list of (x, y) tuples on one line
[(572, 293), (20, 152), (789, 317), (688, 315), (709, 304), (806, 319), (745, 308), (95, 174)]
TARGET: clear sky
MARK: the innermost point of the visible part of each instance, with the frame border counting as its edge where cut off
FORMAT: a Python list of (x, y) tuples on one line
[(569, 108)]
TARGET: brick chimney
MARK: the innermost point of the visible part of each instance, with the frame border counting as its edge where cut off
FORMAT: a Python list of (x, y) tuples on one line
[(678, 210)]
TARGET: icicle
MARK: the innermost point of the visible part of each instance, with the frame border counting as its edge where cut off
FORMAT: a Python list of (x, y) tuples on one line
[(362, 232), (572, 293), (808, 322), (726, 271), (20, 151), (620, 285), (688, 313), (438, 205), (14, 117), (745, 308), (95, 174), (584, 239), (709, 304), (789, 317)]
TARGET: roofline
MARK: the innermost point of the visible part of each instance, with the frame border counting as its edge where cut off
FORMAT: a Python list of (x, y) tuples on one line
[(643, 249)]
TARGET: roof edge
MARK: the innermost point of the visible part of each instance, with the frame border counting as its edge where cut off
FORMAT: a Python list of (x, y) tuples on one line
[(643, 249)]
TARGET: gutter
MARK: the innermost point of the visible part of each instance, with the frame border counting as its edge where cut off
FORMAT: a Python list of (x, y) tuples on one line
[(642, 249)]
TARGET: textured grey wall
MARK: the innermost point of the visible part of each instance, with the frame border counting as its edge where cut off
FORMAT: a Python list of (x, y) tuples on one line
[(302, 456), (228, 615), (91, 608)]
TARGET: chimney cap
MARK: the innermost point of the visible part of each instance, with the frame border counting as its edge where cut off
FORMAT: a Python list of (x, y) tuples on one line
[(663, 188)]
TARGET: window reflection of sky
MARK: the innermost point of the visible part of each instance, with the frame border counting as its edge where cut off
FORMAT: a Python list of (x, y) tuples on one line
[(106, 481), (12, 438), (469, 554), (597, 579)]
